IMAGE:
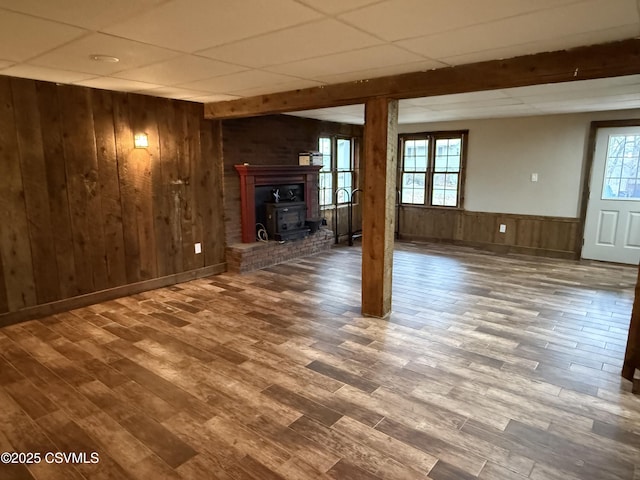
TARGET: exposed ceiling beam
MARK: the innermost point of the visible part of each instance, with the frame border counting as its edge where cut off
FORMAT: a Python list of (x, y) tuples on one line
[(583, 63)]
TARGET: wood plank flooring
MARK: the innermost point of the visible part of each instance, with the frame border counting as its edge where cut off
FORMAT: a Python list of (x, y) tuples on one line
[(490, 367)]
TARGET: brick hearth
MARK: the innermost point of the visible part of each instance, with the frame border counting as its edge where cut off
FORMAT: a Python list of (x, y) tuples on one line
[(246, 257)]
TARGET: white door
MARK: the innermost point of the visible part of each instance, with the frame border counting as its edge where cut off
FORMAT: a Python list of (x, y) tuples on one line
[(612, 228)]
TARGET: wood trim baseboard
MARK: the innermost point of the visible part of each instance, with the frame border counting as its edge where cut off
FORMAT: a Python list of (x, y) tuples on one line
[(46, 309)]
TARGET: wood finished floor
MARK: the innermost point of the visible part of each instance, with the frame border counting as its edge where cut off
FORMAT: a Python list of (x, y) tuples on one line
[(490, 367)]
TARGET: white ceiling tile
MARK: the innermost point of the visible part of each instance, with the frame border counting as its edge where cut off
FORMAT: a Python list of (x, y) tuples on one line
[(629, 97), (498, 102), (42, 73), (349, 119), (342, 118), (117, 84), (303, 114), (182, 69), (513, 111), (320, 116), (543, 89), (624, 80), (557, 105), (625, 106), (354, 110), (173, 92), (405, 107), (570, 87), (494, 112), (548, 45), (309, 112), (92, 15), (297, 43), (542, 26), (622, 105), (337, 6), (420, 66), (356, 60), (615, 105), (401, 19), (420, 117), (427, 117), (347, 114), (412, 118), (213, 98), (191, 25), (457, 98), (23, 37), (580, 94), (229, 84), (568, 107), (587, 102), (75, 55), (295, 84)]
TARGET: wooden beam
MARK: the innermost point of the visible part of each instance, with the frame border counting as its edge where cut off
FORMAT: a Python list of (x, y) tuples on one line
[(583, 63), (378, 204)]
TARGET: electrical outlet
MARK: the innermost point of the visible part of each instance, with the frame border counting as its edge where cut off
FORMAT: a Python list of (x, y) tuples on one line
[(534, 177), (198, 248), (503, 228)]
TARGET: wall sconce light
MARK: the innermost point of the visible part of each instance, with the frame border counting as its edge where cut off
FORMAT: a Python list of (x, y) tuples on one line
[(141, 140)]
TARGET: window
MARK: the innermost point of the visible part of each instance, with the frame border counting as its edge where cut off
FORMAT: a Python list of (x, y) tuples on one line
[(622, 175), (325, 179), (432, 168), (338, 172)]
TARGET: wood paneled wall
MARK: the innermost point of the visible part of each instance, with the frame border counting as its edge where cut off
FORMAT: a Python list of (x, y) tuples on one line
[(535, 235), (82, 210), (268, 140)]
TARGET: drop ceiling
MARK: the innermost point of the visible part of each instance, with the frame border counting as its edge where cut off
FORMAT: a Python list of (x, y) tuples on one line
[(215, 50)]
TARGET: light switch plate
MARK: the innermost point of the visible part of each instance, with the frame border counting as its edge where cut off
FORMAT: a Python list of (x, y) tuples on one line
[(198, 248)]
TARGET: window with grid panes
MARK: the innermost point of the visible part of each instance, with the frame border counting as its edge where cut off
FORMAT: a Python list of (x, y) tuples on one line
[(622, 170), (325, 177), (336, 180), (431, 168)]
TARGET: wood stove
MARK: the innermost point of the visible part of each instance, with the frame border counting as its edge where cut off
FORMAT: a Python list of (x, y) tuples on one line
[(286, 220)]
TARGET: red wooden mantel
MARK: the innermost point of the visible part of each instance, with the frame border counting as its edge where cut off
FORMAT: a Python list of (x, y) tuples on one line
[(252, 176)]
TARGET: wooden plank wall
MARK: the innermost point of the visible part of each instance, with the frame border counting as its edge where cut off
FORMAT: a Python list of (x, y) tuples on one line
[(82, 210), (534, 235)]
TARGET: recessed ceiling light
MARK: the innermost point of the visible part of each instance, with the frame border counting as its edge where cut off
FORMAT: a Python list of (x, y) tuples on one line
[(104, 58)]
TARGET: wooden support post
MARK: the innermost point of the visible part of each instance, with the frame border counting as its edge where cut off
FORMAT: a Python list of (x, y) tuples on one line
[(378, 204)]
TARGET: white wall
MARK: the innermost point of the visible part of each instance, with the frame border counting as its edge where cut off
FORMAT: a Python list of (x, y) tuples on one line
[(503, 153)]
